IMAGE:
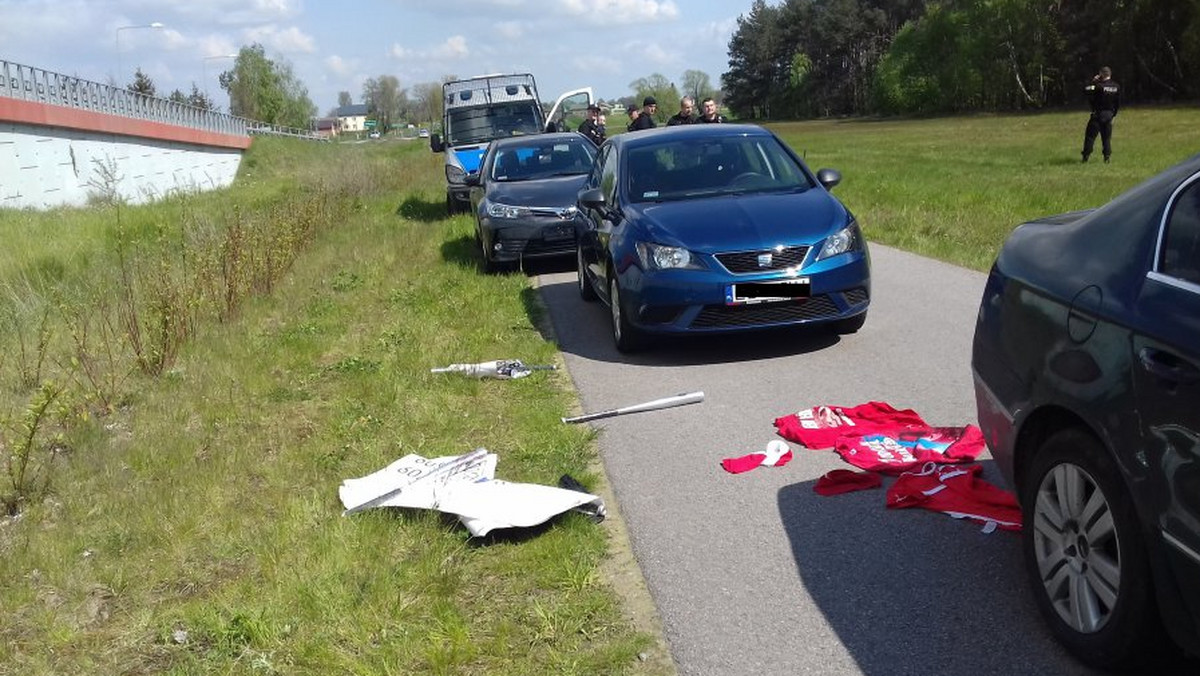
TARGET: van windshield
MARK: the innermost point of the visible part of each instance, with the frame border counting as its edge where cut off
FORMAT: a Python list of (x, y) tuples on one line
[(479, 125)]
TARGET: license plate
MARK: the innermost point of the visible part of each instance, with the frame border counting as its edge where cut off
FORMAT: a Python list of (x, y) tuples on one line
[(557, 232), (767, 292)]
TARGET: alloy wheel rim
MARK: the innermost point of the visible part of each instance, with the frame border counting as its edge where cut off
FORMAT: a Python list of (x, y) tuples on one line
[(1076, 547)]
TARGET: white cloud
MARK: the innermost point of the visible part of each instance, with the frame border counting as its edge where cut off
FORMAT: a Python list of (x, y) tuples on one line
[(510, 29), (339, 66), (288, 40), (608, 12), (454, 48)]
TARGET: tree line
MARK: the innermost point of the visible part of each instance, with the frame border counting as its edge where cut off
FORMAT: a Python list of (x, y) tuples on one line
[(816, 58)]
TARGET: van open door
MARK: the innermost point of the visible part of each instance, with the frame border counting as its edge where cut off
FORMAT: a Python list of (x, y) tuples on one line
[(569, 110)]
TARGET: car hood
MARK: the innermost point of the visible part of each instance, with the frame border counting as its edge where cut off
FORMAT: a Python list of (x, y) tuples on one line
[(560, 191), (736, 223)]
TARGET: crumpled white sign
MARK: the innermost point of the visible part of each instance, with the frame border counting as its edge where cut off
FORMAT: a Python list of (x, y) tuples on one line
[(464, 485)]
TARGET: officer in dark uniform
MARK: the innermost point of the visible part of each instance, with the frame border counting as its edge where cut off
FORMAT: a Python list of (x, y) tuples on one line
[(686, 114), (708, 112), (646, 119), (1104, 95), (591, 127)]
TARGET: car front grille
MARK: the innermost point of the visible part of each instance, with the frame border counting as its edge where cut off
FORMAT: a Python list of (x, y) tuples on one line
[(764, 314), (855, 296), (741, 262)]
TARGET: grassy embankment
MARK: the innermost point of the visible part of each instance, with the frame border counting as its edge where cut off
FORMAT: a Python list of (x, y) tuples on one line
[(194, 378), (285, 330)]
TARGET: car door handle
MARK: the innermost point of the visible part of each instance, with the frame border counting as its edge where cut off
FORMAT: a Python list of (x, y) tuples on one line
[(1168, 366)]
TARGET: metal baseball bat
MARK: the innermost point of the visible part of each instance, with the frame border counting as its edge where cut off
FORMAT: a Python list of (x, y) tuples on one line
[(666, 402)]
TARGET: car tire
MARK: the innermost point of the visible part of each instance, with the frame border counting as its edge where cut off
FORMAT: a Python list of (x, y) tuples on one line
[(586, 292), (851, 325), (1092, 584), (626, 337), (488, 265)]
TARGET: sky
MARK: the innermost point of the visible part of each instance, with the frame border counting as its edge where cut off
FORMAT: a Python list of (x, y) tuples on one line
[(335, 45)]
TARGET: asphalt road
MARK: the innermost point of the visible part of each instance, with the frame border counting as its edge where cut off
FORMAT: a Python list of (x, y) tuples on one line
[(757, 574)]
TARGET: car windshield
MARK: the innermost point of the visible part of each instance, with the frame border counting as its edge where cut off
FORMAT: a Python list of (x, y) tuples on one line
[(534, 161), (477, 125), (678, 169)]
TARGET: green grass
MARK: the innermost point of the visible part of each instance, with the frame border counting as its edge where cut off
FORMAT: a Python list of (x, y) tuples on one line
[(185, 520), (953, 188), (195, 528)]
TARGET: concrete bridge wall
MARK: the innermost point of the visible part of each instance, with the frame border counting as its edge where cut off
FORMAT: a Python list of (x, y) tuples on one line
[(57, 156)]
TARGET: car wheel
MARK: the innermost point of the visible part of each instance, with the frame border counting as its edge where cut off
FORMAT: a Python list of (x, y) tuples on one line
[(626, 337), (586, 292), (1085, 554), (489, 266), (851, 325)]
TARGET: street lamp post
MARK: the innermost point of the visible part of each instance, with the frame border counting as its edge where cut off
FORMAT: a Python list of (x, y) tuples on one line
[(205, 71), (117, 41)]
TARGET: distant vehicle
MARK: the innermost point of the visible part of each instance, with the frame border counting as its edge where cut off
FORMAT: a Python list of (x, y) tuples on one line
[(480, 109), (424, 133), (1086, 362), (715, 228), (373, 134), (524, 195)]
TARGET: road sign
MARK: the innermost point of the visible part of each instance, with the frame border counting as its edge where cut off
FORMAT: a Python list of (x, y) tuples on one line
[(369, 124)]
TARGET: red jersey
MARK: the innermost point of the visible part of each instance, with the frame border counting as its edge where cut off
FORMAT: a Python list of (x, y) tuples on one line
[(820, 426)]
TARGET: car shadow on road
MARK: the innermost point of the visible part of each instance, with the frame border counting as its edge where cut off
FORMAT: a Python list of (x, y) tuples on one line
[(584, 329), (916, 592)]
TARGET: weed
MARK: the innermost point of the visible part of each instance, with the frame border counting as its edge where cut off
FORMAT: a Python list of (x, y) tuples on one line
[(30, 449)]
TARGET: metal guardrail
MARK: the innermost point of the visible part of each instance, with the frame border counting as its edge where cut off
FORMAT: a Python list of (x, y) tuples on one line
[(27, 83)]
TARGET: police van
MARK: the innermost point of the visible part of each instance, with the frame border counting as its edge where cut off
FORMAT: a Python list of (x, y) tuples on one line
[(479, 109)]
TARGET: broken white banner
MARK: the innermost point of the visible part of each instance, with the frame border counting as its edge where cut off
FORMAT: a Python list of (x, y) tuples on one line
[(464, 485)]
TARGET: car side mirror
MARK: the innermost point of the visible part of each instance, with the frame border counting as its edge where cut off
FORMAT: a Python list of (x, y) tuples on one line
[(435, 143), (829, 178), (592, 198), (473, 180)]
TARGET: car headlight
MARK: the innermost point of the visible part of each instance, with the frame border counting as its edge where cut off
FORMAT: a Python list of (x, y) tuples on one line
[(498, 210), (660, 257), (455, 174), (845, 240)]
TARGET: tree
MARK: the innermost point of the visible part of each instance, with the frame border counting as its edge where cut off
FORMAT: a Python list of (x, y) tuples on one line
[(344, 99), (662, 89), (264, 90), (385, 99), (696, 84), (142, 84), (753, 61), (427, 101)]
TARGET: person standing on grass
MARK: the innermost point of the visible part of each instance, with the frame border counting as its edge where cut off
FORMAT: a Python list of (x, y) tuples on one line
[(633, 112), (1104, 96), (686, 114), (708, 112), (591, 127), (646, 119)]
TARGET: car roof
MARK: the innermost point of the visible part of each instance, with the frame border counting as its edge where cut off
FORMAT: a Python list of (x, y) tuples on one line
[(529, 140), (660, 135)]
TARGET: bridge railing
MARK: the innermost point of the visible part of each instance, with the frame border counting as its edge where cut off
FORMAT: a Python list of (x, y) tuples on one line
[(27, 83)]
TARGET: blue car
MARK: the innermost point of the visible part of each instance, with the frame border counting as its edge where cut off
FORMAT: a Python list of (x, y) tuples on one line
[(1086, 362), (700, 229)]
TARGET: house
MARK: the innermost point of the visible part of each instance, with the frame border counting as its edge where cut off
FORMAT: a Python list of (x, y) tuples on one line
[(327, 127), (352, 118)]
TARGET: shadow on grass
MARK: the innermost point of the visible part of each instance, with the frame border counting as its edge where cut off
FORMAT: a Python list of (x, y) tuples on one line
[(417, 208), (462, 253)]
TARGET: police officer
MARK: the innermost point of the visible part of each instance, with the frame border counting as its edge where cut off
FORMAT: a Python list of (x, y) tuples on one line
[(686, 114), (1104, 95), (708, 112), (646, 119), (591, 127)]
